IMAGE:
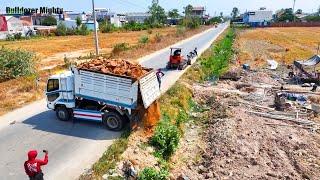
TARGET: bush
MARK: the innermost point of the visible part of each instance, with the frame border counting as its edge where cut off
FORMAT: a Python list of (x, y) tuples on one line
[(15, 63), (61, 29), (165, 139), (134, 26), (70, 32), (158, 37), (10, 37), (149, 31), (192, 22), (18, 36), (49, 21), (107, 27), (180, 31), (153, 174), (120, 47), (84, 30), (144, 39)]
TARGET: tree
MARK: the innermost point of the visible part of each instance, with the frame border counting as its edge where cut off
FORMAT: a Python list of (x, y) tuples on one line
[(299, 11), (158, 15), (319, 11), (235, 12), (49, 21), (287, 15), (221, 14), (188, 10), (78, 22), (174, 13)]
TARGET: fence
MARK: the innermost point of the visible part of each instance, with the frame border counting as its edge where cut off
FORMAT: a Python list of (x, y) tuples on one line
[(295, 24)]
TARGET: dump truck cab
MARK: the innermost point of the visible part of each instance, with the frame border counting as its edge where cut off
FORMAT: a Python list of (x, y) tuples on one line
[(60, 91)]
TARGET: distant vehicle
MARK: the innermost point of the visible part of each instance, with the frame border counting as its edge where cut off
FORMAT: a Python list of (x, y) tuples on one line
[(111, 99), (177, 61)]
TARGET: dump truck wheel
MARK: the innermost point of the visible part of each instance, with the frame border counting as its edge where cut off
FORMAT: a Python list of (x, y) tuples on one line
[(180, 67), (113, 121), (62, 113)]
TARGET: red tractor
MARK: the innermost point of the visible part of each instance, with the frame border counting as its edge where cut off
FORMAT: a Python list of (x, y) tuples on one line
[(177, 61)]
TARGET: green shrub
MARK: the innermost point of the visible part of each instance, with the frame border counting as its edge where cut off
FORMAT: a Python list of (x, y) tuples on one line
[(15, 63), (144, 39), (61, 29), (180, 31), (10, 37), (134, 26), (153, 174), (107, 27), (165, 139), (18, 36), (120, 47), (70, 32), (84, 30), (49, 21), (182, 117)]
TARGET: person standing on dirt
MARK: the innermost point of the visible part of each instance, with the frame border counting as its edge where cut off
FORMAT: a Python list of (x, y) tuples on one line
[(159, 74), (33, 166)]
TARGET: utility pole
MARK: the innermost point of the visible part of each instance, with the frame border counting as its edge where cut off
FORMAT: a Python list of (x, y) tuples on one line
[(95, 29), (294, 14)]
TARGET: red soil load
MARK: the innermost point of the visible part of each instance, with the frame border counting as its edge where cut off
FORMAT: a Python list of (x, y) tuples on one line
[(114, 66)]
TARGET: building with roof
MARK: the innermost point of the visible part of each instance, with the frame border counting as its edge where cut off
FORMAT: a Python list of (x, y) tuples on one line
[(198, 11), (14, 24), (258, 18), (118, 20), (138, 17)]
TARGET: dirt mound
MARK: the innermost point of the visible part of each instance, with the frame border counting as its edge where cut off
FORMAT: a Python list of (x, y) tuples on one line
[(151, 116), (114, 66)]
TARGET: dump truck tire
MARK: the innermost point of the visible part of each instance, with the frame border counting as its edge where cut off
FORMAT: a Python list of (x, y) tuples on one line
[(62, 113), (113, 121)]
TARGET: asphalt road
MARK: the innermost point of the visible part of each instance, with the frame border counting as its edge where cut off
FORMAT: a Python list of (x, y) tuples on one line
[(73, 146)]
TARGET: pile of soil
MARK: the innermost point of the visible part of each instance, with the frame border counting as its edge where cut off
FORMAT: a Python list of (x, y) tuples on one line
[(114, 66)]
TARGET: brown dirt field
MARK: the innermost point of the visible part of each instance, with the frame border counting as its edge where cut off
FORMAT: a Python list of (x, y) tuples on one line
[(255, 46), (45, 47)]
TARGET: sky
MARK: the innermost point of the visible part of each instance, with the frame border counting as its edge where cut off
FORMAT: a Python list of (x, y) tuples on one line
[(213, 7)]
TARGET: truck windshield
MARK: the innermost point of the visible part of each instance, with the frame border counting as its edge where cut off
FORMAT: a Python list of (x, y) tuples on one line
[(53, 85)]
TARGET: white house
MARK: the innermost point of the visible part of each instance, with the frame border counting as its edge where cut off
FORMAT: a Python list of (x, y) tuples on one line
[(73, 16), (256, 18), (118, 19), (14, 25)]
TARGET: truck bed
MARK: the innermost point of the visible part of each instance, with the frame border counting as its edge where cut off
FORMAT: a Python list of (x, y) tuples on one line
[(116, 90)]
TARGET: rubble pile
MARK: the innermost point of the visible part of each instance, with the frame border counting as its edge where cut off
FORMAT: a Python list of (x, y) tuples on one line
[(114, 66)]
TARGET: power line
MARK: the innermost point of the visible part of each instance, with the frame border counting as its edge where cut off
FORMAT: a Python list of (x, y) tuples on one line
[(133, 4)]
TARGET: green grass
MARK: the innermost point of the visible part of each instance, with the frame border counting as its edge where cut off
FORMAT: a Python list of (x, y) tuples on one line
[(222, 52), (111, 156), (214, 62)]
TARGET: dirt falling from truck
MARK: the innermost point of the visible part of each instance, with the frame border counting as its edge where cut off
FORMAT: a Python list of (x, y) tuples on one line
[(151, 116)]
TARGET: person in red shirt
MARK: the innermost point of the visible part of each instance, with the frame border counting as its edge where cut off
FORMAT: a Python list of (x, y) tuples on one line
[(33, 166)]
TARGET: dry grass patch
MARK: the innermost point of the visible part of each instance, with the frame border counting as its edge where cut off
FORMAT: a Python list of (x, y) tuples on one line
[(257, 45)]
